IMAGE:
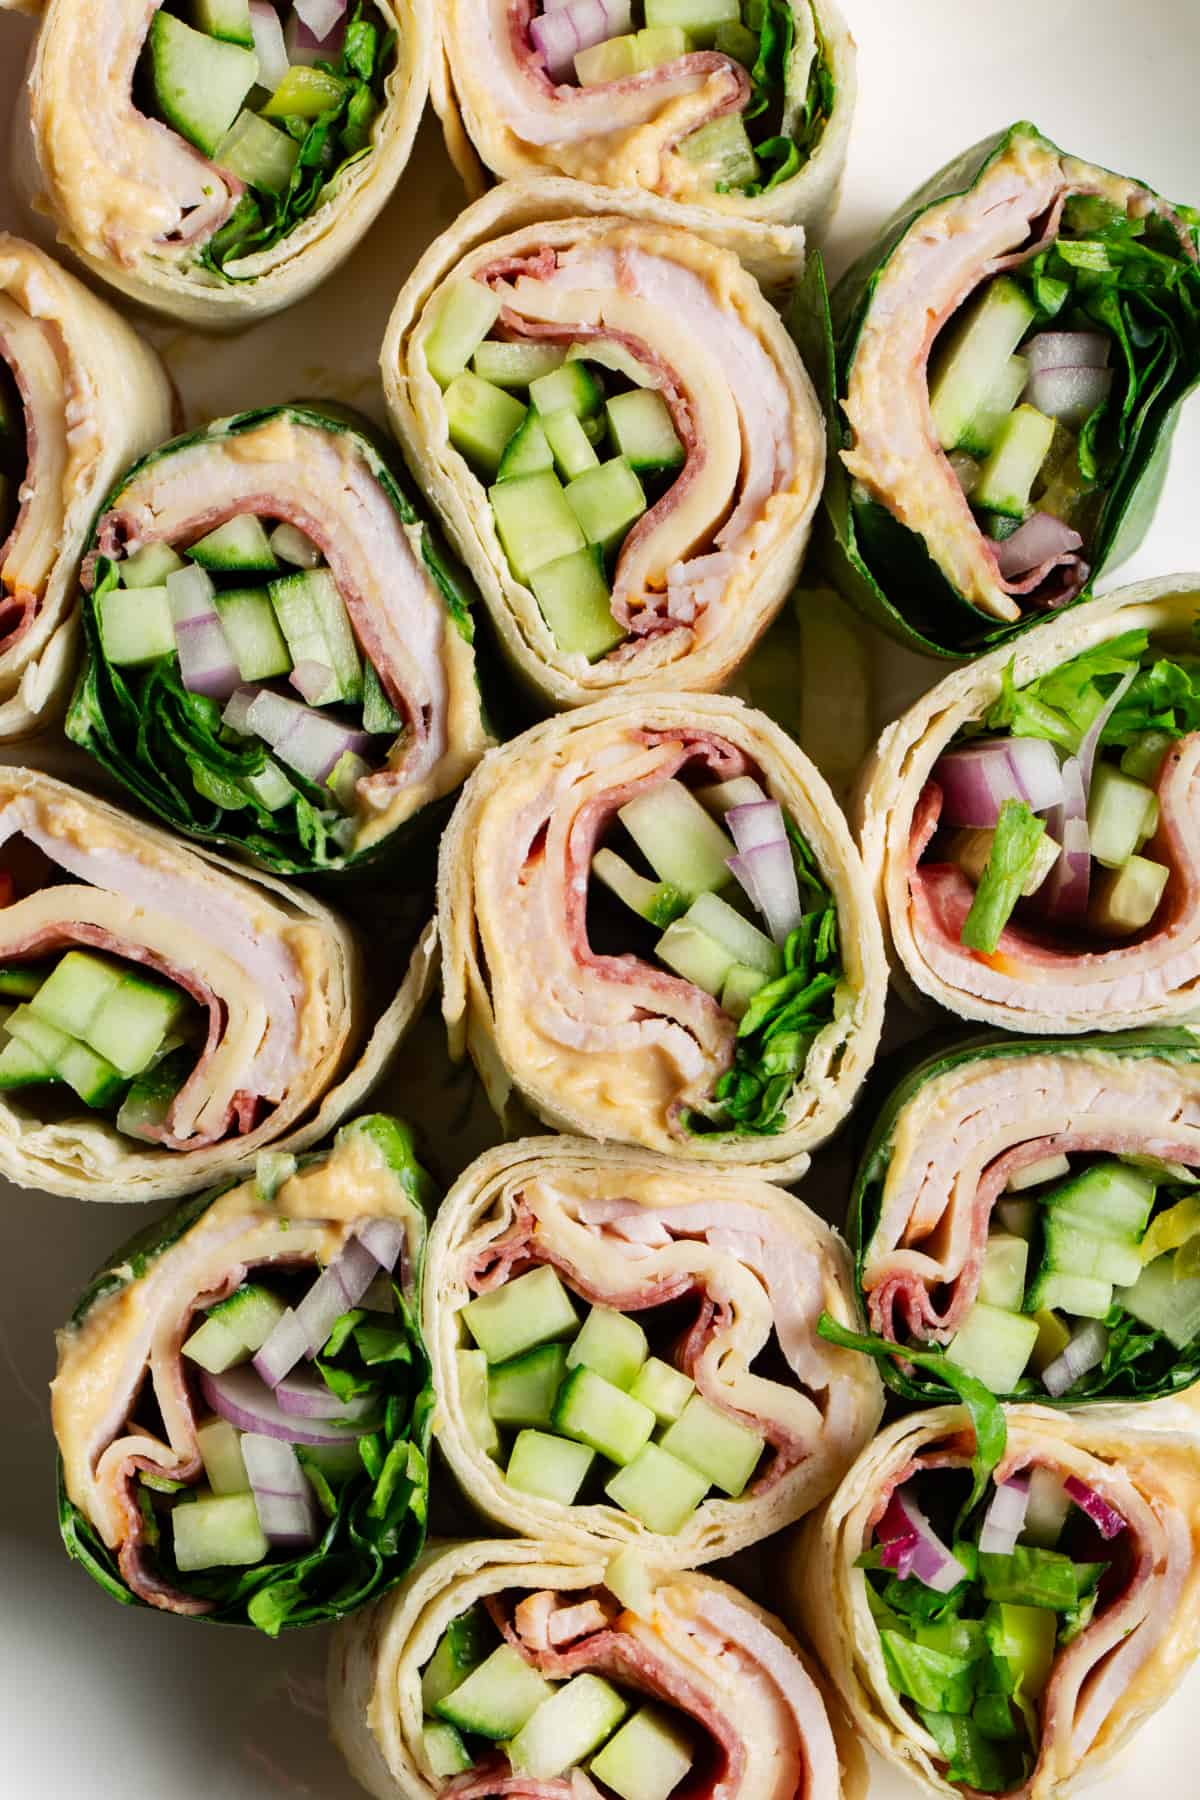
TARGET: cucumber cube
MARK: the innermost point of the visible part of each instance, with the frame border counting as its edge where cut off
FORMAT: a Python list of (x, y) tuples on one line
[(548, 1467), (215, 1347), (291, 545), (527, 451), (994, 1346), (609, 354), (1006, 478), (1083, 1296), (721, 1448), (1018, 1218), (522, 1391), (533, 1309), (568, 442), (738, 42), (72, 995), (1052, 1339), (473, 1394), (665, 1390), (218, 1532), (258, 153), (1002, 1277), (594, 1412), (612, 1345), (135, 626), (709, 913), (1026, 1637), (1075, 1251), (643, 432), (722, 151), (535, 524), (971, 357), (1143, 758), (699, 18), (629, 1581), (695, 956), (656, 901), (576, 603), (21, 1066), (678, 838), (199, 82), (718, 799), (1163, 1299), (658, 1489), (251, 1313), (571, 386), (1050, 1168), (293, 599), (516, 365), (147, 1103), (149, 566), (92, 1077), (252, 633), (270, 787), (739, 988), (379, 716), (648, 1757), (462, 1647), (566, 1728), (1048, 1509), (241, 543), (1110, 1197), (1117, 809), (606, 500), (481, 419), (983, 430), (133, 1021), (463, 313), (46, 1042), (338, 631), (225, 19), (613, 60), (221, 1453), (498, 1697), (445, 1751), (1125, 900)]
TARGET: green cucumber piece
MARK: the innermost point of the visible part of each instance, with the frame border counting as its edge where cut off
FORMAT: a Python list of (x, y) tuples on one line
[(251, 1313), (148, 1100), (749, 945), (679, 839), (695, 956), (1026, 1638), (643, 432), (551, 1468), (648, 1757), (240, 544), (972, 356), (656, 901), (497, 1698), (612, 1344), (723, 796), (133, 1021), (215, 1347), (1125, 900), (721, 1448), (570, 447), (1050, 1168), (609, 353), (722, 151), (461, 1648), (522, 1391), (1143, 758), (135, 626), (269, 786), (338, 631), (596, 1413), (1110, 1197), (73, 993), (576, 603), (1008, 474), (228, 20), (1118, 808), (445, 1751), (629, 1580), (21, 1066), (220, 1449), (149, 566), (337, 1462), (1018, 1218), (739, 988), (250, 627), (1002, 1276), (576, 1719), (218, 1531), (982, 432), (290, 545), (613, 60), (293, 598), (658, 1489), (464, 312), (535, 523), (305, 93), (664, 1389), (1071, 1250), (257, 153), (473, 1395), (379, 716), (481, 418), (994, 1345), (199, 82), (1163, 1300), (515, 365), (572, 387), (606, 500), (534, 1309), (1081, 1295), (527, 451), (22, 980), (737, 41), (92, 1077), (701, 19)]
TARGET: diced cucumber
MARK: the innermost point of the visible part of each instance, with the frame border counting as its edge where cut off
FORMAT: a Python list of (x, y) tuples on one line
[(1160, 1298), (572, 386), (252, 633), (533, 1309), (629, 1580), (515, 365), (1077, 1252), (612, 1344), (379, 716), (291, 545), (215, 1347), (270, 786), (148, 1101), (701, 19), (473, 1396), (199, 82), (73, 993), (1008, 475), (258, 153), (576, 602), (293, 600), (45, 1042), (576, 1719), (461, 1648), (1050, 1168), (723, 151), (1049, 1506), (1002, 1277), (1143, 758), (737, 41), (21, 1066), (464, 311), (239, 544), (613, 60), (994, 1346), (220, 1449), (1125, 900), (218, 1532), (304, 93), (481, 419), (658, 44), (226, 19), (606, 500), (656, 901), (982, 431), (535, 524), (678, 838), (445, 1751), (1110, 1197), (595, 1412), (695, 956), (970, 360), (92, 1077), (251, 1313), (338, 631), (527, 451), (498, 1697), (1117, 808), (22, 980), (149, 566), (1026, 1637), (723, 796), (721, 1448), (643, 433), (1082, 1296), (739, 988), (133, 1021), (522, 1391), (970, 850), (658, 1489), (135, 626), (552, 1468), (664, 1389), (1052, 1339), (749, 945), (648, 1758), (1018, 1217), (565, 436)]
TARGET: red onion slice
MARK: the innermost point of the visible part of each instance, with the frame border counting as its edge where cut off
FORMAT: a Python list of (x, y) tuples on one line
[(304, 1396), (301, 1333), (1105, 1518), (283, 1499), (1067, 349), (1084, 1352), (1070, 395), (760, 822), (319, 16), (914, 1547), (384, 1238), (1004, 1520), (268, 43), (305, 740), (575, 26), (768, 875), (977, 779), (1064, 893), (311, 679), (237, 710), (1091, 742), (282, 1349), (1039, 540), (239, 1396)]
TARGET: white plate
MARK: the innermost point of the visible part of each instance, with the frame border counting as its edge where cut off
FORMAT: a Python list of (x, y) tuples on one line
[(108, 1703)]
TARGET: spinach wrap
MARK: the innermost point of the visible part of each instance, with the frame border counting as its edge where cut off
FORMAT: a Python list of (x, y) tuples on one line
[(205, 1467), (278, 654), (1005, 370)]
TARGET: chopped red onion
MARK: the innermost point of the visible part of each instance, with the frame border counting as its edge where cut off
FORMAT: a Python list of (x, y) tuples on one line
[(768, 875), (268, 43), (576, 26), (312, 680), (1107, 1520), (239, 1396), (206, 664), (741, 872), (307, 1397), (1070, 395), (760, 822), (237, 711), (1066, 350), (1084, 1352), (384, 1238), (1039, 540), (912, 1547), (1091, 742), (337, 1288), (302, 47), (284, 1345), (1005, 1517), (978, 779), (319, 16), (306, 741), (1064, 893), (283, 1499)]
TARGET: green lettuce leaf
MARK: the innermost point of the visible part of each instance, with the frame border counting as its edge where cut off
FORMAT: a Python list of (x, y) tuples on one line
[(1019, 832)]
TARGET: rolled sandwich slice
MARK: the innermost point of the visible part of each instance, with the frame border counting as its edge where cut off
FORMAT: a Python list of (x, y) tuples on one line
[(734, 116), (515, 1669), (242, 1399), (80, 394), (1008, 362), (618, 432), (1029, 830), (1009, 1644), (165, 1019), (656, 931), (601, 1324), (1027, 1208), (231, 158), (279, 655)]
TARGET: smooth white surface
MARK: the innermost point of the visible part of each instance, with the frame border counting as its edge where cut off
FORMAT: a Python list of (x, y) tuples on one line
[(109, 1704)]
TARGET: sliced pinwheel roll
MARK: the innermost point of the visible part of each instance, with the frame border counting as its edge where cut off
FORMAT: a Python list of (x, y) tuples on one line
[(618, 432), (655, 929), (517, 1669), (1027, 1210), (1029, 827), (233, 154), (80, 394), (279, 656), (1007, 367), (163, 1018), (1006, 1636), (242, 1400), (601, 1323), (733, 113)]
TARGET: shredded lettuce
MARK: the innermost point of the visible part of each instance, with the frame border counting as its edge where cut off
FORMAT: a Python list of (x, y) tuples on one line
[(788, 126), (1019, 832)]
